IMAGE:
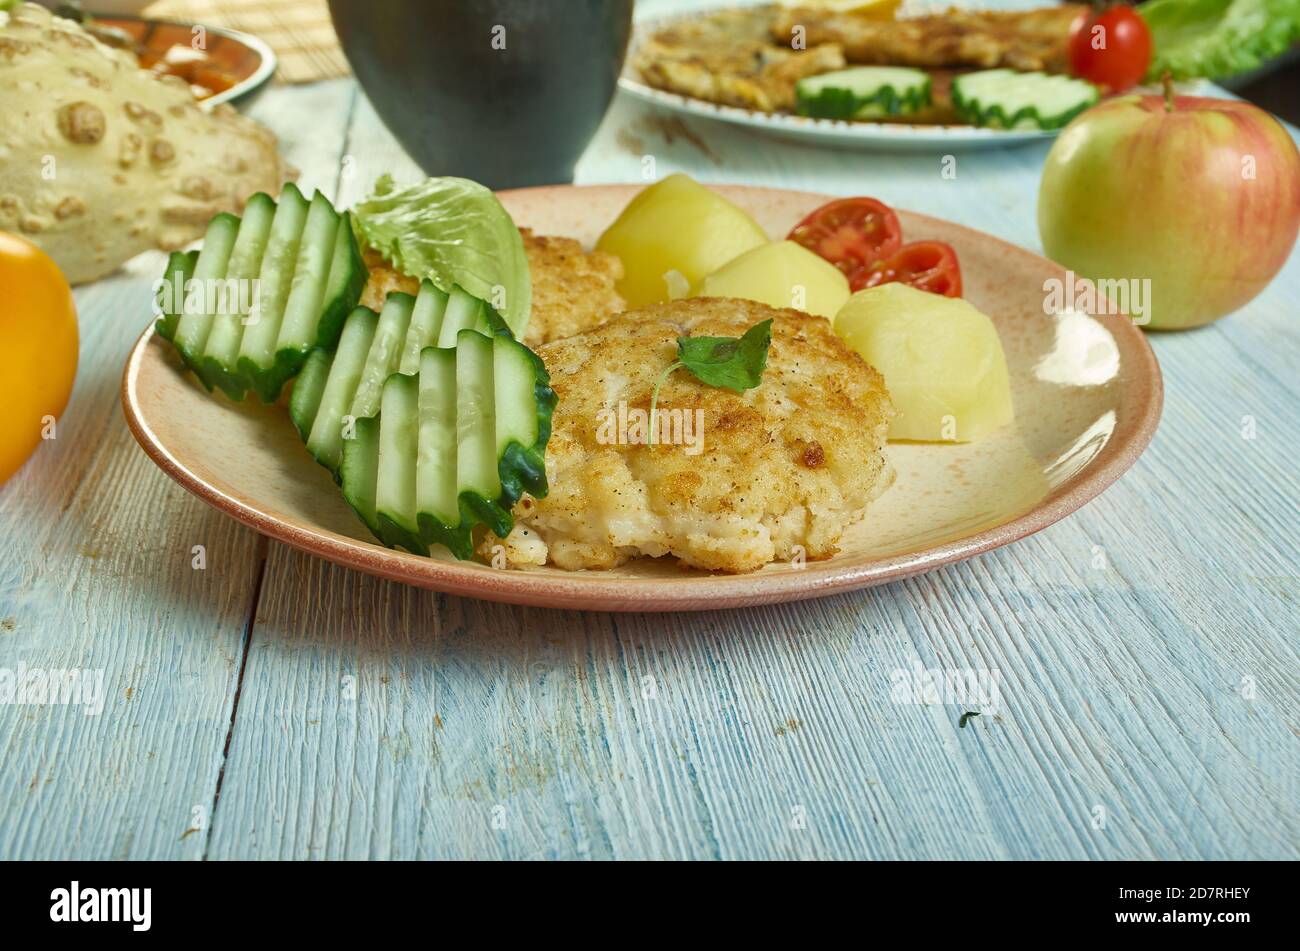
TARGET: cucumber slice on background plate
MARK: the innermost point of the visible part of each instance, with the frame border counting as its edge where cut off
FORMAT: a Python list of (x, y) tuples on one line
[(309, 273), (864, 92), (435, 454), (1006, 99)]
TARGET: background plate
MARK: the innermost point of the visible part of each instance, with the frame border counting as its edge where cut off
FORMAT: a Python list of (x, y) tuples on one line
[(1087, 395)]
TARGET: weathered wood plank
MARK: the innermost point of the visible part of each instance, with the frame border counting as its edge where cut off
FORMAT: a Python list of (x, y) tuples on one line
[(383, 721), (97, 573)]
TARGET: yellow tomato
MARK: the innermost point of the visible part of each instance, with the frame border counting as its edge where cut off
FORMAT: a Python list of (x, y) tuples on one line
[(38, 348)]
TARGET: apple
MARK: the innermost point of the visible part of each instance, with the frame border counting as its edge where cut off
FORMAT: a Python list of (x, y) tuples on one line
[(1199, 196)]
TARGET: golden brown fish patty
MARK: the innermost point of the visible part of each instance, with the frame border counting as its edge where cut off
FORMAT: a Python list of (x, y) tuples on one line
[(573, 289), (738, 479), (1025, 40)]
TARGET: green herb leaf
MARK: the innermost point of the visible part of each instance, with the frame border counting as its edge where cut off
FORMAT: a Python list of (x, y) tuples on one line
[(733, 363), (965, 718), (729, 362)]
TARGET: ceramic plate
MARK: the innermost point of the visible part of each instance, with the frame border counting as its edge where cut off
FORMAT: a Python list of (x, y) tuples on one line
[(1086, 390), (839, 133), (870, 136)]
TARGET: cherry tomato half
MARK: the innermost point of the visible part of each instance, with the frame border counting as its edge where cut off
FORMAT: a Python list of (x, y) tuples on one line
[(926, 265), (1111, 48), (854, 234)]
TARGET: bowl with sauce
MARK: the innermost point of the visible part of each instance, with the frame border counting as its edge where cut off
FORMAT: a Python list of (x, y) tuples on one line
[(220, 65)]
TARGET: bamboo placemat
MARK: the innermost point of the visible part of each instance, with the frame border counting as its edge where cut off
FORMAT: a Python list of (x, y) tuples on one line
[(299, 31)]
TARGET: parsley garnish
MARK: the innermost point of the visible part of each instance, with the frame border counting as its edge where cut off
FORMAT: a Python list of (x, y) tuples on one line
[(733, 363)]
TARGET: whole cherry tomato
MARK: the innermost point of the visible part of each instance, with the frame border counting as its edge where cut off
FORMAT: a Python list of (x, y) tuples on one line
[(1111, 48)]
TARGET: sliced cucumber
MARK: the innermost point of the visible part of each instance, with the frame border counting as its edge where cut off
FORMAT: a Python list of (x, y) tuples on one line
[(478, 485), (397, 463), (325, 428), (864, 92), (347, 279), (435, 469), (359, 472), (522, 390), (180, 268), (296, 263), (275, 283), (217, 365), (1006, 99), (463, 313), (426, 322), (308, 388), (438, 452), (392, 341), (385, 353), (195, 323), (302, 312)]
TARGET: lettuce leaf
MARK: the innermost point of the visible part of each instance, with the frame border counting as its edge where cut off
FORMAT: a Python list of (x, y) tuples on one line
[(454, 232), (1214, 39)]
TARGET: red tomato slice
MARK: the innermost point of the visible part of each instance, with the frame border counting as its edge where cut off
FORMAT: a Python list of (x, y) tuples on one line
[(1111, 48), (854, 234), (926, 265)]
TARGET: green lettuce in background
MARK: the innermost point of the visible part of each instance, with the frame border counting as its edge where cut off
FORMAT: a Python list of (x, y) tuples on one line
[(1214, 39), (454, 232)]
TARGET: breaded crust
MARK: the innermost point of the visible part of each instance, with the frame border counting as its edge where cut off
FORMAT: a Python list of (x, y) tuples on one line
[(573, 289), (729, 57), (1025, 40), (783, 468)]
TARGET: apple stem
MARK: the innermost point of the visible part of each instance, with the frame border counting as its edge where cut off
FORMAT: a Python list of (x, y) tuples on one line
[(1168, 82)]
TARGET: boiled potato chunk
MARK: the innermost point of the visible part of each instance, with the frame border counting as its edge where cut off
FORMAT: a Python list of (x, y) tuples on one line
[(940, 357), (676, 225), (780, 274)]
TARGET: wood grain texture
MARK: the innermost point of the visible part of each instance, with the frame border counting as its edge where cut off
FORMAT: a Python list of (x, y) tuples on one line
[(1145, 648), (97, 573), (382, 721)]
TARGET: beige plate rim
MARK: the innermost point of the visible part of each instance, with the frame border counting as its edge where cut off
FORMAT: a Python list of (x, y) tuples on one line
[(589, 591)]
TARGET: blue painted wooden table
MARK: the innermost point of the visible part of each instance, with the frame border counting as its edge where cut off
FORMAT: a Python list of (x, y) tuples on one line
[(261, 703)]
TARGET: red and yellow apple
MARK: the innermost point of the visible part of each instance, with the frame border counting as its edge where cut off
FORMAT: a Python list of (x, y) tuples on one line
[(1200, 196)]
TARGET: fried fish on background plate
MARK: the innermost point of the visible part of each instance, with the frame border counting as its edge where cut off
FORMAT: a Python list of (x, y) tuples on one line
[(1025, 40), (573, 289), (751, 478), (729, 58)]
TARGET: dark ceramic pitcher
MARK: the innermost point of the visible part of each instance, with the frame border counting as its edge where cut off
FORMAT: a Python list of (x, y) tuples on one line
[(506, 92)]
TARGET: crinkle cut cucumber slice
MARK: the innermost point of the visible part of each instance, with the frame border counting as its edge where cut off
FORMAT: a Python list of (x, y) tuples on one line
[(452, 447), (1006, 99), (171, 292), (864, 92), (273, 286)]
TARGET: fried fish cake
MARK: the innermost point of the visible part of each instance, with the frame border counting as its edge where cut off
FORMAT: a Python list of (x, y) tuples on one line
[(735, 480), (730, 58), (1025, 40), (573, 289)]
